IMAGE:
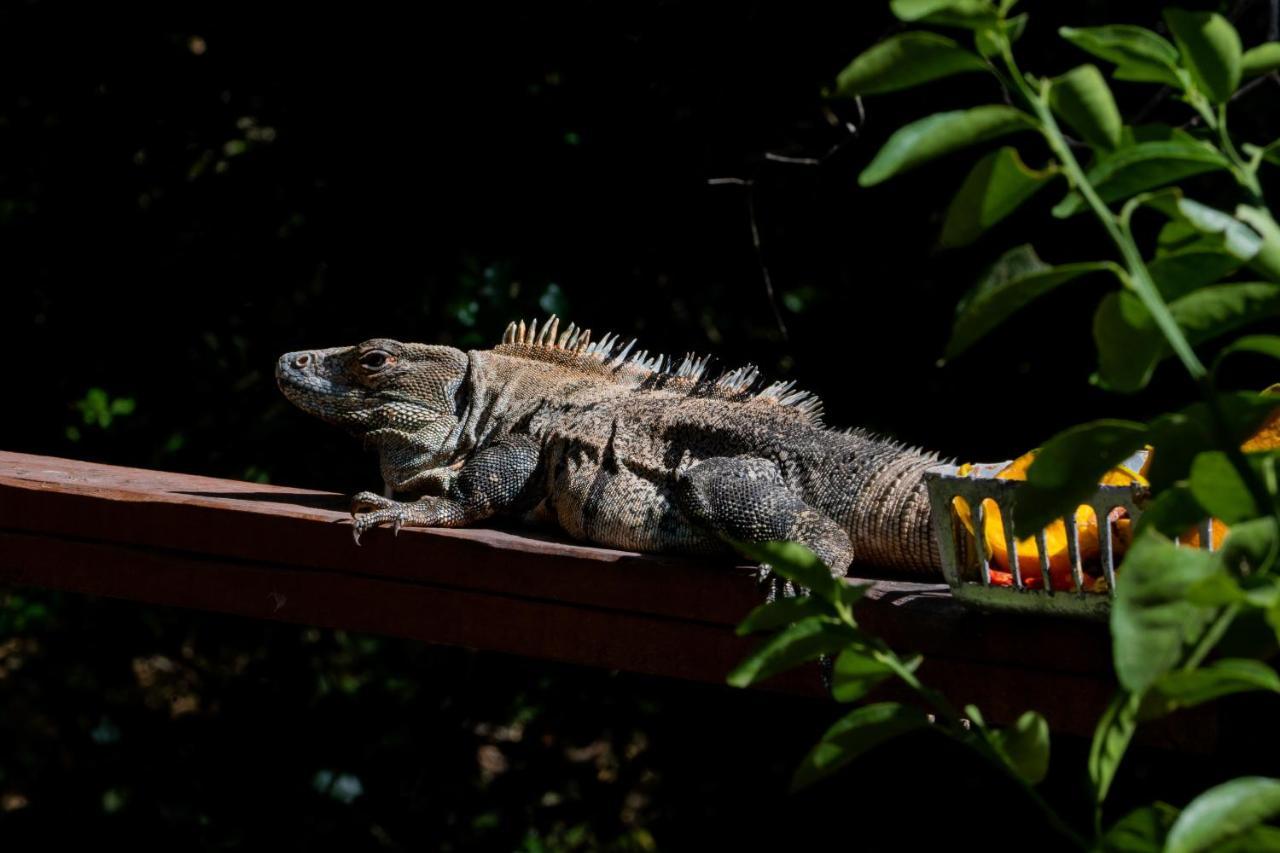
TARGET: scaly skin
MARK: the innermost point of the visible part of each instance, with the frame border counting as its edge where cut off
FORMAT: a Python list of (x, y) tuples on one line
[(625, 451)]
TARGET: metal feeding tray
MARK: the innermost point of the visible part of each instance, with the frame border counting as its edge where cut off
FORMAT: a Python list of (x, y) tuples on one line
[(969, 569)]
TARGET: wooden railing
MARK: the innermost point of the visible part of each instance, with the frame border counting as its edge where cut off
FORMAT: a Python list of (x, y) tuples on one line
[(273, 552)]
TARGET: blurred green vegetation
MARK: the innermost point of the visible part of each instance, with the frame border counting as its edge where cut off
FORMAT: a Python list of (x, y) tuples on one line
[(169, 729)]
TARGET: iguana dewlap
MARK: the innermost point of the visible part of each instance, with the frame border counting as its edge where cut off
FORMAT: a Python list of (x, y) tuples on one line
[(615, 447)]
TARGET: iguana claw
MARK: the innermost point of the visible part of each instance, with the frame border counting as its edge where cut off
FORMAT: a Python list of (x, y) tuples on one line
[(369, 510)]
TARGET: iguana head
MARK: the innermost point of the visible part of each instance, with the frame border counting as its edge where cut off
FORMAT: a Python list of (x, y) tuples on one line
[(390, 393)]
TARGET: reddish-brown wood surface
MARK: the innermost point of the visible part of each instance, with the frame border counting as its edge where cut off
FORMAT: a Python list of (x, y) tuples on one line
[(275, 552)]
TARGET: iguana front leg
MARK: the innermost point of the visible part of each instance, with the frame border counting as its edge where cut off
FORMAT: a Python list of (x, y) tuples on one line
[(494, 480)]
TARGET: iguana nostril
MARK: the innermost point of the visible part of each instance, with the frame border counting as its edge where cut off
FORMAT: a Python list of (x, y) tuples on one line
[(302, 360)]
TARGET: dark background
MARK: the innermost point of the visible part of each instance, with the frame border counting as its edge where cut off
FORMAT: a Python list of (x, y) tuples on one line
[(188, 190)]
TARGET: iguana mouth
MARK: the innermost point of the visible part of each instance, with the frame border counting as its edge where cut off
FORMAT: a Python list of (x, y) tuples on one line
[(298, 378)]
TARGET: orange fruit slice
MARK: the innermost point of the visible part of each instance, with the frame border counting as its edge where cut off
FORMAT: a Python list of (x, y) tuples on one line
[(1267, 437), (1055, 534)]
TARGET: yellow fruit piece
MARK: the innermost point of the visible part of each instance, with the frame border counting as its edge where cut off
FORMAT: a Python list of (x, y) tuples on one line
[(1055, 533), (1267, 437)]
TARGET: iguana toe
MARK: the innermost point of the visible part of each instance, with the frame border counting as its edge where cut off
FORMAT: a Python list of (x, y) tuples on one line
[(391, 512), (369, 502)]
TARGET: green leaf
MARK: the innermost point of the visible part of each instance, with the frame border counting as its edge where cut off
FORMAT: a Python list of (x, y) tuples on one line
[(857, 671), (1110, 740), (1173, 513), (1025, 746), (974, 713), (1273, 619), (1128, 341), (1067, 468), (1267, 260), (969, 14), (914, 10), (941, 133), (1224, 813), (1017, 278), (1212, 311), (804, 641), (1218, 487), (1243, 411), (1188, 688), (1233, 237), (1164, 200), (1260, 60), (903, 61), (1260, 344), (997, 185), (1179, 436), (1144, 166), (1249, 548), (1151, 619), (1178, 273), (1210, 49), (1269, 152), (1238, 239), (1216, 590), (1179, 235), (1141, 831), (854, 734), (797, 563), (1139, 54), (1259, 839), (780, 613), (1130, 345), (990, 37), (1081, 97)]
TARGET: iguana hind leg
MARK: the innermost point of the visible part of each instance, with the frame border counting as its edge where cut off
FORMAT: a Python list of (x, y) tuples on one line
[(746, 499), (495, 480)]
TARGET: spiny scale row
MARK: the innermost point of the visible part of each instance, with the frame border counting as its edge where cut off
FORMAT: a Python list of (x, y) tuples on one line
[(572, 338), (576, 340), (900, 448)]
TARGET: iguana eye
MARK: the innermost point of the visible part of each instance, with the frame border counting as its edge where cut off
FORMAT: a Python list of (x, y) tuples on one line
[(376, 360)]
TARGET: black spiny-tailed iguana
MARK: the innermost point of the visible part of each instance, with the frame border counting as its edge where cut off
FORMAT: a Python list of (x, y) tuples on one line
[(618, 448)]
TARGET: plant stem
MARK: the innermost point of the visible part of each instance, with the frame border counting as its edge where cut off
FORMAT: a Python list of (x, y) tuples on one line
[(975, 740), (1245, 173), (955, 728), (1139, 278), (1210, 636)]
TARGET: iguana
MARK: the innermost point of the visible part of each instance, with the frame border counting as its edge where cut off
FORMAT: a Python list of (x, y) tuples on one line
[(614, 446)]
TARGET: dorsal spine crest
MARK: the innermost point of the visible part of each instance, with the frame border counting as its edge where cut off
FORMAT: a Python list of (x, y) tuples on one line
[(605, 355)]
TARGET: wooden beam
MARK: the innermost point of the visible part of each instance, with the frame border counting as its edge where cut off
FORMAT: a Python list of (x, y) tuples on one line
[(273, 552)]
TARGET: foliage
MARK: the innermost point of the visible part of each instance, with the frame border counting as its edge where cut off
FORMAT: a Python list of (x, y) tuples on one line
[(1177, 291)]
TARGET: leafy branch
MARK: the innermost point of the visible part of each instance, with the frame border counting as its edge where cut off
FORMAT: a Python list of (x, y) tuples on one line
[(1174, 604)]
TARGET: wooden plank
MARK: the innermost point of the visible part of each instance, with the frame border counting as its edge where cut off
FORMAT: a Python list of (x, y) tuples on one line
[(282, 553), (573, 634), (306, 528), (296, 527), (539, 629)]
